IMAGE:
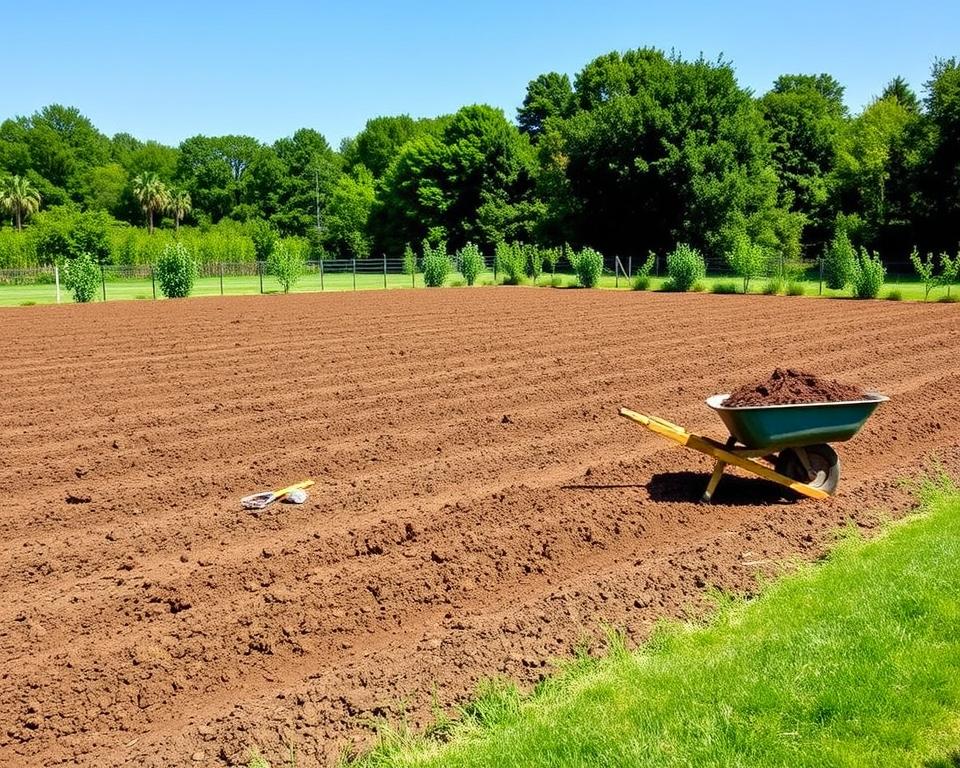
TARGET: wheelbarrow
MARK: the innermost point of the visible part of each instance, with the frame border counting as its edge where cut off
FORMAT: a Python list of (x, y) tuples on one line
[(793, 440)]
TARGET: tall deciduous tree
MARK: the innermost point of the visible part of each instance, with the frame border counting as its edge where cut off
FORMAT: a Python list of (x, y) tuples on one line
[(805, 116), (20, 198), (666, 151), (941, 170), (347, 214), (548, 96), (152, 194), (467, 183), (864, 161)]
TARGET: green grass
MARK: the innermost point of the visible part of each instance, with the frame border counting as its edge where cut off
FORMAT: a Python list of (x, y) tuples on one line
[(133, 289), (854, 661)]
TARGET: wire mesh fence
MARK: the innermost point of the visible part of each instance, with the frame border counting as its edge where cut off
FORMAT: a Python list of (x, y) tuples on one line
[(45, 284)]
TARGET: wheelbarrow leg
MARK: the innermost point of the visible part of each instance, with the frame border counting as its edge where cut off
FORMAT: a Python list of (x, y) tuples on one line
[(714, 481)]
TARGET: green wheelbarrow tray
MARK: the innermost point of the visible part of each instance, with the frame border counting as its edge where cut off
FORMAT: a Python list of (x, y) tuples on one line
[(775, 427)]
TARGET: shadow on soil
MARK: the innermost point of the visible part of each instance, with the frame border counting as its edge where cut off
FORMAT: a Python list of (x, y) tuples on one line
[(687, 487)]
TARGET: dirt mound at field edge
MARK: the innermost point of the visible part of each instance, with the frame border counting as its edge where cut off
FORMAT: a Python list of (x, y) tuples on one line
[(786, 386)]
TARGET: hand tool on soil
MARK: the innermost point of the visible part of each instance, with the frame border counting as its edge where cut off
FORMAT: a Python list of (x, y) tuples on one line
[(793, 438), (260, 500)]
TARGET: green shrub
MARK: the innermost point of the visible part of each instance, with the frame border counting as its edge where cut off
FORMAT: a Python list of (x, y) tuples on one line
[(685, 266), (641, 278), (949, 270), (588, 264), (435, 264), (724, 287), (839, 261), (556, 281), (81, 275), (894, 295), (773, 286), (511, 262), (925, 271), (287, 264), (533, 260), (176, 271), (457, 282), (550, 257), (948, 300), (746, 259), (471, 263), (795, 288), (409, 261), (868, 275)]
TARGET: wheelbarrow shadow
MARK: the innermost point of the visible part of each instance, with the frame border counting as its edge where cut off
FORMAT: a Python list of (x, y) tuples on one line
[(688, 487)]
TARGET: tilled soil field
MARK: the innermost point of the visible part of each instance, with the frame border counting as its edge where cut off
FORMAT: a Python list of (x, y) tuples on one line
[(480, 508)]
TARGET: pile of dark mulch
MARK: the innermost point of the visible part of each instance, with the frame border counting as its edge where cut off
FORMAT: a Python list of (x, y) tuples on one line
[(786, 386)]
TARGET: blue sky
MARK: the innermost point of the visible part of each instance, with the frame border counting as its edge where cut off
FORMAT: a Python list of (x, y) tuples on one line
[(266, 70)]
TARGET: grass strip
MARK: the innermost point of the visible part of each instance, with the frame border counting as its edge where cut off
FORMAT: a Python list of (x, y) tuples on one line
[(853, 661)]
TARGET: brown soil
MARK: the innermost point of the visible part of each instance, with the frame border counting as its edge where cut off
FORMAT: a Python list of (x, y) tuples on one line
[(786, 386), (480, 508)]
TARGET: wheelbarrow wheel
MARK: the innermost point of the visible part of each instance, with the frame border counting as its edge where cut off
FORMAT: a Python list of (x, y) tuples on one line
[(824, 464)]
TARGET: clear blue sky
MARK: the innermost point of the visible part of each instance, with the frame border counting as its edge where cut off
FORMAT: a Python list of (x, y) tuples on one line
[(174, 69)]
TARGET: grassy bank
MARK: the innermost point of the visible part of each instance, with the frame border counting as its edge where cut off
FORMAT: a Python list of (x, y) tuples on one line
[(851, 662)]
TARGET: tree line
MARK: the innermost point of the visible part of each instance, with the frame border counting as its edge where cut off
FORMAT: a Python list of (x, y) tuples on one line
[(638, 152)]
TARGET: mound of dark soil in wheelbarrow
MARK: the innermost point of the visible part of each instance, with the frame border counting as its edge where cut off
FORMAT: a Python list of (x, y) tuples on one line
[(786, 386)]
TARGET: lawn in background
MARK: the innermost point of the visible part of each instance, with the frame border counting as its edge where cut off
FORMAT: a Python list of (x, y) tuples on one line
[(851, 662), (232, 285)]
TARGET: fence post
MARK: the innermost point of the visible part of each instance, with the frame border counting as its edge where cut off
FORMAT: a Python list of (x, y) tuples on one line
[(354, 263), (56, 277), (629, 267), (260, 273), (153, 283), (821, 277), (321, 274), (221, 278), (616, 271), (384, 270), (103, 281)]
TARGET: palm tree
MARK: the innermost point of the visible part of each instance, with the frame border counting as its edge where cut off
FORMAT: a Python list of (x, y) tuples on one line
[(179, 205), (20, 197), (152, 194)]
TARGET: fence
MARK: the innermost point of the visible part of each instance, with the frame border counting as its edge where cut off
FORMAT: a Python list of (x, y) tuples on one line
[(139, 281)]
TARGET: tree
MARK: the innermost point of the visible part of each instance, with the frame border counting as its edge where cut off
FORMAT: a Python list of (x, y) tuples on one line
[(470, 182), (864, 159), (310, 171), (746, 259), (825, 85), (20, 198), (56, 147), (103, 188), (900, 90), (286, 264), (347, 215), (805, 116), (152, 195), (378, 143), (665, 151), (178, 205), (940, 185), (548, 96)]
